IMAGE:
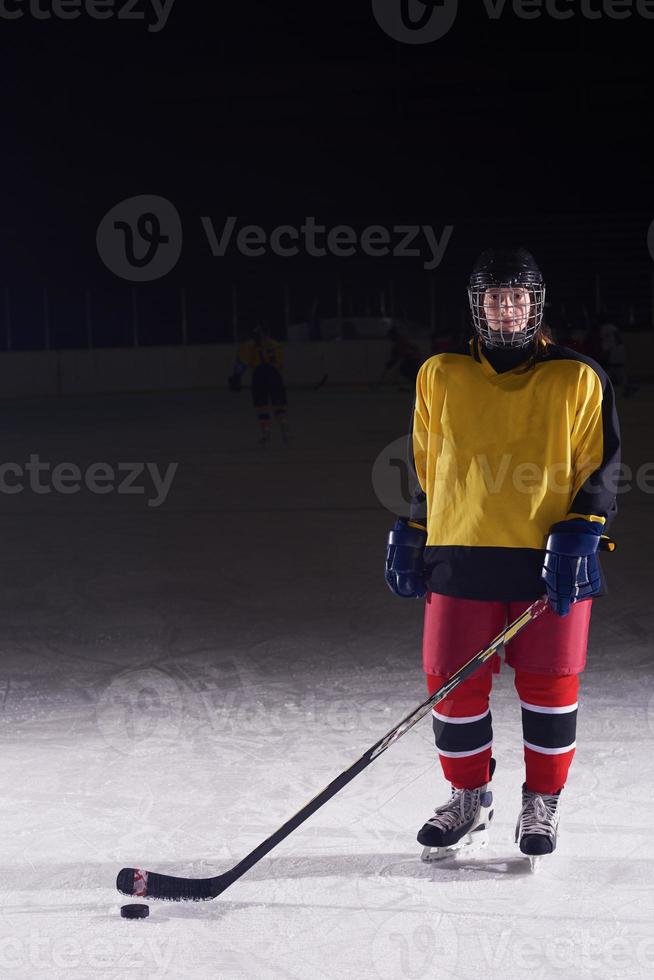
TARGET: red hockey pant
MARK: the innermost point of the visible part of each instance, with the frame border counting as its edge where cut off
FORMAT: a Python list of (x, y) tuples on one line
[(463, 728)]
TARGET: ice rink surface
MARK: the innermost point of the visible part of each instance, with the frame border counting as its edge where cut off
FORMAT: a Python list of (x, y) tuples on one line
[(178, 680)]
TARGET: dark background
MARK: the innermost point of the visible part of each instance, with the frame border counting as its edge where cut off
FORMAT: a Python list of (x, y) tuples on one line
[(531, 132)]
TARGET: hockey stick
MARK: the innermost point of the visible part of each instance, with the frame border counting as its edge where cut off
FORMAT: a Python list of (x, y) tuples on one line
[(146, 884)]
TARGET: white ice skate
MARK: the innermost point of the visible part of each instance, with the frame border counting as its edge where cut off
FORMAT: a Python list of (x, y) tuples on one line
[(461, 823), (537, 826)]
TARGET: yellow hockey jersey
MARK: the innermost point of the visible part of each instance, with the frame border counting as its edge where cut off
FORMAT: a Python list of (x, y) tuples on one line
[(500, 456), (254, 354)]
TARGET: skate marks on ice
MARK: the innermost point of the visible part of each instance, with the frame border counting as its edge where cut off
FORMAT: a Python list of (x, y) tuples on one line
[(197, 755)]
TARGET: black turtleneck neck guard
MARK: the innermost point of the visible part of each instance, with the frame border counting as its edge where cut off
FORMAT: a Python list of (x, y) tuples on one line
[(506, 358)]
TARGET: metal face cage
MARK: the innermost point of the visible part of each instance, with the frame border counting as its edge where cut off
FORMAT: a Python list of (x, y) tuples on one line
[(507, 313)]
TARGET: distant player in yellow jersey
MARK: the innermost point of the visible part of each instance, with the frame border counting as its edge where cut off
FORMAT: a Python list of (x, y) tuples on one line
[(516, 448), (263, 356)]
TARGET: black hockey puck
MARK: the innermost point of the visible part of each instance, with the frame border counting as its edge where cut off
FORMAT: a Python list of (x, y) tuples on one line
[(135, 911)]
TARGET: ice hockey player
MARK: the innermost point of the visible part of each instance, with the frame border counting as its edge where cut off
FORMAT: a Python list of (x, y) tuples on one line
[(515, 446), (263, 356)]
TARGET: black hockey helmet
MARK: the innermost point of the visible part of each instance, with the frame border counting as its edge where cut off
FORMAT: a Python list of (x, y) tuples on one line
[(507, 277)]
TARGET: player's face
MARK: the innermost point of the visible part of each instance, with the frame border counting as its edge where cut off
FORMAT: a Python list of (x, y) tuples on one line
[(507, 309)]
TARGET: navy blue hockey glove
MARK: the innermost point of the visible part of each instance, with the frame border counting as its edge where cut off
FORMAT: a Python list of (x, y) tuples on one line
[(405, 568), (571, 569)]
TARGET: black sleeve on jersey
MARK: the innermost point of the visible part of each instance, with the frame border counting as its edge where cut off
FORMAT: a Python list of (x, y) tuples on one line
[(598, 494), (418, 498)]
